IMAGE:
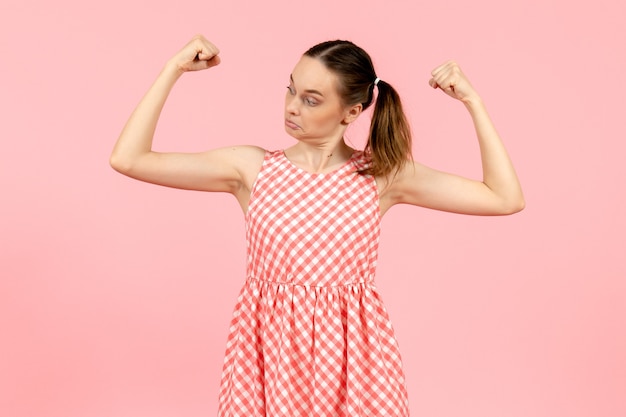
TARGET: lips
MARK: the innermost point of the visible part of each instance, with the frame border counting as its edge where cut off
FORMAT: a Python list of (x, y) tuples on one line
[(291, 125)]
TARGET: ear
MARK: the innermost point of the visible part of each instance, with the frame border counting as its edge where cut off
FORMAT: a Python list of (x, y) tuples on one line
[(352, 113)]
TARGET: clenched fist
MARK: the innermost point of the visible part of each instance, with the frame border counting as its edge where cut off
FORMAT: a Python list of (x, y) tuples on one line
[(451, 80), (198, 54)]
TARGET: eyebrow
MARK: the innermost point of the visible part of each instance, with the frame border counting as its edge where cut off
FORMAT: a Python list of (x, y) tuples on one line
[(312, 91)]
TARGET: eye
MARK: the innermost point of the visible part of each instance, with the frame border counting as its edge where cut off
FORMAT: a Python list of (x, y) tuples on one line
[(310, 101), (292, 90)]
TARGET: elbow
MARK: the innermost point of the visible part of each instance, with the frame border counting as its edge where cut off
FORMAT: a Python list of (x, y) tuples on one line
[(119, 164), (513, 206)]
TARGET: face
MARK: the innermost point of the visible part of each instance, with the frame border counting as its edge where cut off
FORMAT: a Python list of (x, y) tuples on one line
[(313, 109)]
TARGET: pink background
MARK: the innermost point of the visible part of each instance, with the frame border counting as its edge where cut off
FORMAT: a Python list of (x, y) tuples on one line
[(115, 296)]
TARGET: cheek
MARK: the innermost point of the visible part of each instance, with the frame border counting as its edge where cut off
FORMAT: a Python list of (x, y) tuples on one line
[(331, 119), (325, 115)]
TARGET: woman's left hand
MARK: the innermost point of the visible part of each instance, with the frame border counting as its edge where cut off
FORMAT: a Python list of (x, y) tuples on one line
[(451, 80)]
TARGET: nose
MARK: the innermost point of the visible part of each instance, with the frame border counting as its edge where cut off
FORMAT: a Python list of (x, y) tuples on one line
[(291, 104)]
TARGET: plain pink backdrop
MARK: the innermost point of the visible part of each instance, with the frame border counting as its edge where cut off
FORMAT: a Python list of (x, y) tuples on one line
[(115, 296)]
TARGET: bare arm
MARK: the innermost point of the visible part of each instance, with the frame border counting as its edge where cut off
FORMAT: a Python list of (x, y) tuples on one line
[(498, 193), (227, 169)]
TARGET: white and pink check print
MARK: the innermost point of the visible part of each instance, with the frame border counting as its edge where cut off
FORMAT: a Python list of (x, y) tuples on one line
[(310, 336)]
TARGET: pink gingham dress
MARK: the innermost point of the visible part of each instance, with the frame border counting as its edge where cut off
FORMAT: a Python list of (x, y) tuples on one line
[(310, 336)]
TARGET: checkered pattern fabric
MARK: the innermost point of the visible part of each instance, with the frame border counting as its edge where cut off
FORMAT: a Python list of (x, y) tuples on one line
[(310, 336)]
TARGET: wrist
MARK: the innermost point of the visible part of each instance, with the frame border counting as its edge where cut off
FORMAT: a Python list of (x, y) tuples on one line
[(473, 102), (172, 69)]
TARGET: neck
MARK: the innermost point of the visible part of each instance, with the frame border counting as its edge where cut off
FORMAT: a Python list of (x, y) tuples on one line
[(319, 157)]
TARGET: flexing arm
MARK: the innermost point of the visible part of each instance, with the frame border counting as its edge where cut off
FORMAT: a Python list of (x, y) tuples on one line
[(498, 193), (226, 169)]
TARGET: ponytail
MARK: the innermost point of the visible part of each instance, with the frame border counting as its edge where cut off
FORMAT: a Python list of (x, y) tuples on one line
[(389, 142)]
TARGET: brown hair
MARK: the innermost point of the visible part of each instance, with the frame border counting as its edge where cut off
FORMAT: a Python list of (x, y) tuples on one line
[(389, 143)]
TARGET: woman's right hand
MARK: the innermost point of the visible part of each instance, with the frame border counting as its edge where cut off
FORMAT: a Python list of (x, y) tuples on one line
[(198, 54)]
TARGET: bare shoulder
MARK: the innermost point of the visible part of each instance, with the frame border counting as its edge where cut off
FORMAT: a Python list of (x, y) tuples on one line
[(241, 155), (412, 179), (402, 186), (247, 160)]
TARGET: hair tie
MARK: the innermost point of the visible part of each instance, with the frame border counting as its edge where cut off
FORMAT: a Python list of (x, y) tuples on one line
[(376, 81)]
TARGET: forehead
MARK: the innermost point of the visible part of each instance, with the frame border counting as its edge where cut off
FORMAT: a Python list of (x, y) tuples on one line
[(311, 74)]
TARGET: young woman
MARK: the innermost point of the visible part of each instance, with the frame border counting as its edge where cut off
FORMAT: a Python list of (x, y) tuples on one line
[(310, 335)]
